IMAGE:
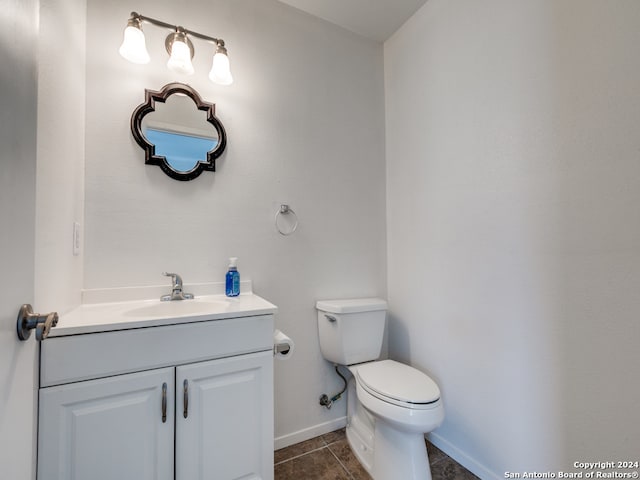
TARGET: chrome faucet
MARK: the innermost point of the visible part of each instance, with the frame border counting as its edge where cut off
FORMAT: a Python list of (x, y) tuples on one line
[(176, 289)]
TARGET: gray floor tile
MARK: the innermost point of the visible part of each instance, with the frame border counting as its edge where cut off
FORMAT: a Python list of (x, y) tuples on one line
[(449, 469), (343, 452), (317, 465), (329, 457), (297, 449), (334, 436), (435, 454)]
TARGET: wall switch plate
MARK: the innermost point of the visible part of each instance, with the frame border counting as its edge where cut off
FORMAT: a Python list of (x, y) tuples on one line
[(76, 238)]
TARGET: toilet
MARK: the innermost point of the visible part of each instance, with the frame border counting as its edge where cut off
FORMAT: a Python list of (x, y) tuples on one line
[(390, 405)]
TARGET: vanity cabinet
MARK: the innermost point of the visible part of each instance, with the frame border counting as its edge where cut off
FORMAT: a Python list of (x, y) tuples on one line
[(185, 402), (107, 429), (220, 438)]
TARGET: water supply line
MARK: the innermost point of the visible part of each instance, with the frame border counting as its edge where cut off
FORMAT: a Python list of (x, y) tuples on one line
[(325, 401)]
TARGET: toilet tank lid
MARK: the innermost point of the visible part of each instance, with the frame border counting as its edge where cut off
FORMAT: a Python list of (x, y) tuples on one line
[(351, 305)]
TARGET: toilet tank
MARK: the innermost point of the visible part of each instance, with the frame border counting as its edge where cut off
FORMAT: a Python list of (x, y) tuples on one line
[(351, 330)]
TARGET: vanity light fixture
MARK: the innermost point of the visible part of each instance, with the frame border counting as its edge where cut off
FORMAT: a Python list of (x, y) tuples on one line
[(179, 47), (134, 47), (220, 70), (180, 50)]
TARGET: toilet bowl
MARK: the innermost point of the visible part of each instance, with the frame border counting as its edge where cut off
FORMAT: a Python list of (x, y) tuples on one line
[(402, 395), (390, 405), (386, 426)]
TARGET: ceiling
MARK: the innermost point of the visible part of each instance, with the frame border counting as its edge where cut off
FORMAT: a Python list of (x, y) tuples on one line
[(374, 19)]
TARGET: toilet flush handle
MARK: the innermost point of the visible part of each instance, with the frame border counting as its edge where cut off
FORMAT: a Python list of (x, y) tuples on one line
[(331, 318)]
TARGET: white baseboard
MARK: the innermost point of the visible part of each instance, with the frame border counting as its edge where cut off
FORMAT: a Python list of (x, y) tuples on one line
[(307, 433), (462, 458)]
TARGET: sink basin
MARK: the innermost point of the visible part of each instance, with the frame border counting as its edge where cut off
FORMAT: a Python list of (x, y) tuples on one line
[(151, 312), (177, 308)]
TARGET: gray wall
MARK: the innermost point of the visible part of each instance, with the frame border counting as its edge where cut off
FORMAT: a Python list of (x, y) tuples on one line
[(305, 125), (513, 182)]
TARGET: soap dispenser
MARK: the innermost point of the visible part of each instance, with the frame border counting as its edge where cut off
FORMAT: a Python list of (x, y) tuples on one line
[(232, 281)]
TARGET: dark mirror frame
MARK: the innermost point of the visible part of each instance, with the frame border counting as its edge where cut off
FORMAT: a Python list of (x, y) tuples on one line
[(150, 157)]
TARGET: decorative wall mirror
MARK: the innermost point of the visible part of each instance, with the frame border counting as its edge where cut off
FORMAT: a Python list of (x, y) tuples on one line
[(178, 131)]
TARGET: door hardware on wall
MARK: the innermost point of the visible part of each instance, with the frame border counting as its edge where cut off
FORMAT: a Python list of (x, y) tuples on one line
[(41, 323)]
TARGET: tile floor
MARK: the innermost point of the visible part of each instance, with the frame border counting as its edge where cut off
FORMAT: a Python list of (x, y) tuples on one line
[(328, 457)]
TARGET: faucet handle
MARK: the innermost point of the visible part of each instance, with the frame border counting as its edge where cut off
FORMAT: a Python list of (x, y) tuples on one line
[(176, 289), (175, 278)]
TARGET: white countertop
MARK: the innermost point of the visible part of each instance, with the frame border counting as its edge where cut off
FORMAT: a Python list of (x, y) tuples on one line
[(110, 316)]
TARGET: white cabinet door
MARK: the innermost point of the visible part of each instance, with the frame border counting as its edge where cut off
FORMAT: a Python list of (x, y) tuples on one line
[(108, 429), (228, 430)]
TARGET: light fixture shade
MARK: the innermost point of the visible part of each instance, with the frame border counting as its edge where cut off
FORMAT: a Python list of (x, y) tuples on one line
[(134, 47), (220, 70), (180, 60)]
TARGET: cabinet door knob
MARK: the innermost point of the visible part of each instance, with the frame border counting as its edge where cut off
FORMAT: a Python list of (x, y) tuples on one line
[(186, 398), (164, 402)]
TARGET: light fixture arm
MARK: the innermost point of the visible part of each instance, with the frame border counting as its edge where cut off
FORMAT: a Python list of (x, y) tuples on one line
[(178, 46), (160, 23)]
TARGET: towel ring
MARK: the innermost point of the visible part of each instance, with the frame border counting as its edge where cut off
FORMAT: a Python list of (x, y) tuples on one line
[(286, 210)]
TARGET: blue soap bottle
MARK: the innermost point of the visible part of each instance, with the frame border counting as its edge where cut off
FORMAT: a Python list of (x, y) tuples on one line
[(232, 280)]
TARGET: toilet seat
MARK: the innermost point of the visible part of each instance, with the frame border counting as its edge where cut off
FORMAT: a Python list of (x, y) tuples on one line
[(399, 384)]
